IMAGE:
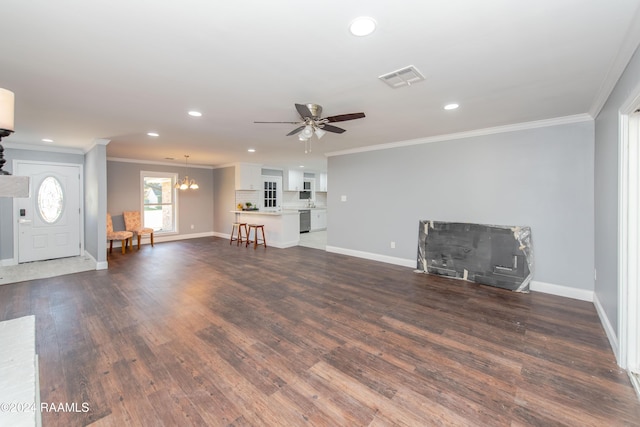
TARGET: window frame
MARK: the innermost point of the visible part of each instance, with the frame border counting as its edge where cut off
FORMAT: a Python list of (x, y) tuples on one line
[(277, 192), (174, 197)]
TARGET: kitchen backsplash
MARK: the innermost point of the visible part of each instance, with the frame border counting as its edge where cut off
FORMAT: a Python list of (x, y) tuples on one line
[(248, 196), (290, 199)]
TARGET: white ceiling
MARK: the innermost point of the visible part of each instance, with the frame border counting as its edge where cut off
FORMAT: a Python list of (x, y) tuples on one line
[(83, 70)]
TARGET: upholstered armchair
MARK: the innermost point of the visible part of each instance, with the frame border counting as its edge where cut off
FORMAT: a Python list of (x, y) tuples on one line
[(126, 237), (133, 223)]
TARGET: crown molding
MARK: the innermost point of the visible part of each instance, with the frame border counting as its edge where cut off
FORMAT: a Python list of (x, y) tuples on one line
[(153, 162), (577, 118), (46, 148), (628, 47)]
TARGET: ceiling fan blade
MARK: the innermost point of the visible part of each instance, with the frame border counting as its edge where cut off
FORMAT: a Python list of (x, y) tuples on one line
[(334, 129), (304, 111), (296, 130), (344, 117), (289, 123)]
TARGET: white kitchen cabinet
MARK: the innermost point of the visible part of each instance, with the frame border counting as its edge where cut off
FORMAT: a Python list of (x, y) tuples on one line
[(318, 219), (322, 182), (295, 180), (248, 176)]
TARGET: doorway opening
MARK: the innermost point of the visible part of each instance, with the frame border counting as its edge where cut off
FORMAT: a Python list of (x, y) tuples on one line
[(629, 241), (49, 223)]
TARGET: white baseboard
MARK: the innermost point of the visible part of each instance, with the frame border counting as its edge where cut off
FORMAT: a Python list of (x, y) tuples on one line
[(223, 235), (374, 257), (635, 382), (174, 237), (284, 245), (165, 238), (608, 327), (280, 245), (103, 265), (547, 288), (8, 262), (562, 291)]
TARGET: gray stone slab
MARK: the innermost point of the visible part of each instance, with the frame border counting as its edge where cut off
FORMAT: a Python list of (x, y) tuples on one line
[(494, 255)]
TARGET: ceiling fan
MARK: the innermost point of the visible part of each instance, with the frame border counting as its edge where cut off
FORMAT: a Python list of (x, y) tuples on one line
[(312, 123)]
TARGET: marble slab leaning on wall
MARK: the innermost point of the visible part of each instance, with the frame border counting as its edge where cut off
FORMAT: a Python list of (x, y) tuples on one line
[(494, 255)]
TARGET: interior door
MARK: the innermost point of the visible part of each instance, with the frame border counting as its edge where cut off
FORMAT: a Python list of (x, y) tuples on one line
[(49, 220)]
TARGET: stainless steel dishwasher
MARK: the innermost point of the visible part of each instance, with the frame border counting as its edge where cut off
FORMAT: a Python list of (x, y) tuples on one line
[(305, 220)]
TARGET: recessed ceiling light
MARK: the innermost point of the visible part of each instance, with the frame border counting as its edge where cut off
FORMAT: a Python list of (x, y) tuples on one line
[(451, 106), (251, 150), (195, 113), (47, 140), (153, 134), (362, 26), (301, 166)]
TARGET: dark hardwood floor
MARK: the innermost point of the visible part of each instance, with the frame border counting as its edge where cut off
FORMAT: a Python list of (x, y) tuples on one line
[(203, 333)]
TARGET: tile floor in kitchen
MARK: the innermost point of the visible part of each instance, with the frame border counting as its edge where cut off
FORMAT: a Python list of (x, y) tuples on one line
[(314, 239)]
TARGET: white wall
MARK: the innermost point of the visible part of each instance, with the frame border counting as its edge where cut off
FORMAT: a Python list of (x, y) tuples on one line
[(541, 177)]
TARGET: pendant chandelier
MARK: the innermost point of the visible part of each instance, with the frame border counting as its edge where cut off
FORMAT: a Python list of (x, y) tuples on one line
[(185, 183)]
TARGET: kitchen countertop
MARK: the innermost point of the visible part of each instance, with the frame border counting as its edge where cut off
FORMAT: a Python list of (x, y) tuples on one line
[(271, 213), (314, 208)]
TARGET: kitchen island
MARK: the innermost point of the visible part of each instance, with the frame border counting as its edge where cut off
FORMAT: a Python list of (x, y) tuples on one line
[(281, 228)]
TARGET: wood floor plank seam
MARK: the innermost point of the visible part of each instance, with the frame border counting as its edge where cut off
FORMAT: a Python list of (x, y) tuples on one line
[(225, 337)]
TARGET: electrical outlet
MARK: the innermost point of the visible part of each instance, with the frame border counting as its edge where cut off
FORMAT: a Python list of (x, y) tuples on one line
[(393, 245), (343, 198), (193, 226)]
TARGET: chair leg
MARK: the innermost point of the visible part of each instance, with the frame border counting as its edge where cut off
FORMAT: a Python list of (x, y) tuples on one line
[(124, 245), (248, 236), (110, 246), (139, 241), (233, 229), (152, 239)]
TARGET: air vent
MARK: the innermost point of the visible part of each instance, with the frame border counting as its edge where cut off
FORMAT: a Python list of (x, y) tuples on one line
[(402, 77)]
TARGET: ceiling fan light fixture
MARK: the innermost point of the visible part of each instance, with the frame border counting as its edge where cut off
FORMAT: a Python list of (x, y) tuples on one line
[(311, 122), (362, 26), (307, 132)]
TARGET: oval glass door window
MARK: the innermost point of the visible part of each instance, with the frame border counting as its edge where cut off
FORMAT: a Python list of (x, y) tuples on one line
[(50, 199)]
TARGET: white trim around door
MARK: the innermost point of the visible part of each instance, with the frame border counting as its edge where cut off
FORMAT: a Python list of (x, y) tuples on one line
[(628, 351), (61, 235)]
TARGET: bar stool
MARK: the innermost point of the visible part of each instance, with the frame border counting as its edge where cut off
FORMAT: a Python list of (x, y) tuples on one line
[(239, 237), (255, 228)]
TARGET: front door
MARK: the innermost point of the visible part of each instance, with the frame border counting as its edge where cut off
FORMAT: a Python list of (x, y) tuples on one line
[(49, 220)]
